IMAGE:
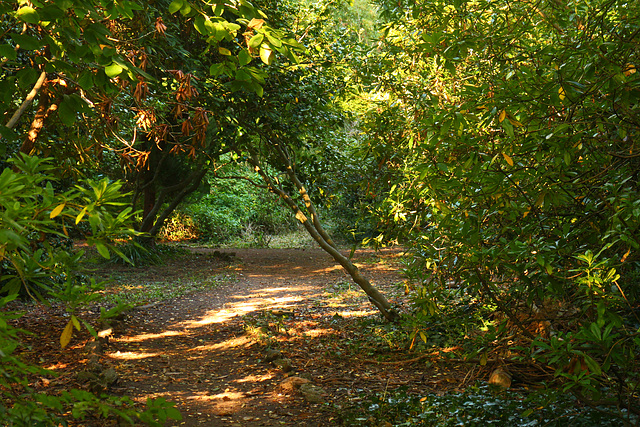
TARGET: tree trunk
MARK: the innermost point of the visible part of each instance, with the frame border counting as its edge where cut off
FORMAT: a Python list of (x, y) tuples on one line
[(316, 230)]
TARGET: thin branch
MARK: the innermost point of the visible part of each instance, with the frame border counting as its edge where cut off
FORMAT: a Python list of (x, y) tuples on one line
[(27, 101)]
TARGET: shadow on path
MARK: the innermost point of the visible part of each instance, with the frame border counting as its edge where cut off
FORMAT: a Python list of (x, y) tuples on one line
[(195, 351)]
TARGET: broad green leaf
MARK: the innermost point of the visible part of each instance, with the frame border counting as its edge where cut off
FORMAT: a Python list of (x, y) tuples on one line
[(26, 42), (217, 69), (67, 111), (257, 87), (57, 210), (200, 25), (244, 57), (8, 51), (113, 70), (508, 127), (274, 40), (256, 41), (592, 365), (243, 75), (50, 13), (86, 80), (175, 6), (103, 250), (186, 9), (65, 338), (28, 14)]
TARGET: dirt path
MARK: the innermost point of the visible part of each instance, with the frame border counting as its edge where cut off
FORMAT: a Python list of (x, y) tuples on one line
[(206, 351)]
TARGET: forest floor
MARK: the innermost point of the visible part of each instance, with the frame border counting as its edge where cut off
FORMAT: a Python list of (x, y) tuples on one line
[(237, 352)]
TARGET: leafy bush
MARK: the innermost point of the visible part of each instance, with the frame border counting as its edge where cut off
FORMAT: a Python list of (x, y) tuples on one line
[(511, 132), (33, 219), (231, 208)]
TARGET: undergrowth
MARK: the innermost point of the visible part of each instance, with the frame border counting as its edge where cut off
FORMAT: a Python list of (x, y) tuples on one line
[(480, 405), (140, 293)]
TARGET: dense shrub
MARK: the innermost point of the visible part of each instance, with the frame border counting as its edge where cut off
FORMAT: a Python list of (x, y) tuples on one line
[(230, 208)]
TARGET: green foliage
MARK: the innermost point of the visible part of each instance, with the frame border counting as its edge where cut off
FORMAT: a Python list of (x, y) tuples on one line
[(478, 406), (34, 217), (508, 133), (233, 208)]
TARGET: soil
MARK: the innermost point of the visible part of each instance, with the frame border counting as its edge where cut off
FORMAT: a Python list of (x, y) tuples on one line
[(226, 356)]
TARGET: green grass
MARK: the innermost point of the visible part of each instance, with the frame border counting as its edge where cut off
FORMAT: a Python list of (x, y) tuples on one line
[(141, 293)]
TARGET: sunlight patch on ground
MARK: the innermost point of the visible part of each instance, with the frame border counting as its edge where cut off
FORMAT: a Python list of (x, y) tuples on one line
[(130, 355), (243, 307), (230, 343), (356, 313), (220, 316), (318, 332), (58, 365), (144, 337), (336, 267), (256, 378), (226, 396)]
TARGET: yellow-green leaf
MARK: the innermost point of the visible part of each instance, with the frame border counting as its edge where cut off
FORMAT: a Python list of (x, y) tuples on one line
[(266, 54), (65, 338), (423, 336), (28, 14), (256, 41), (81, 215), (76, 322), (561, 93), (224, 51), (502, 115), (56, 211), (175, 6), (113, 70), (508, 159), (483, 359)]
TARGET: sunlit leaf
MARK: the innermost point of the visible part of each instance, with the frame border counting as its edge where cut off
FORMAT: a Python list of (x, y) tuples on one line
[(81, 215), (266, 55), (113, 70), (57, 210), (76, 322), (65, 338), (28, 14), (502, 115), (256, 41), (561, 93), (224, 51), (255, 23), (508, 159)]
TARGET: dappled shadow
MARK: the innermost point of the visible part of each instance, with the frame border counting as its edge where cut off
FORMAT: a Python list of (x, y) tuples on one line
[(196, 351)]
